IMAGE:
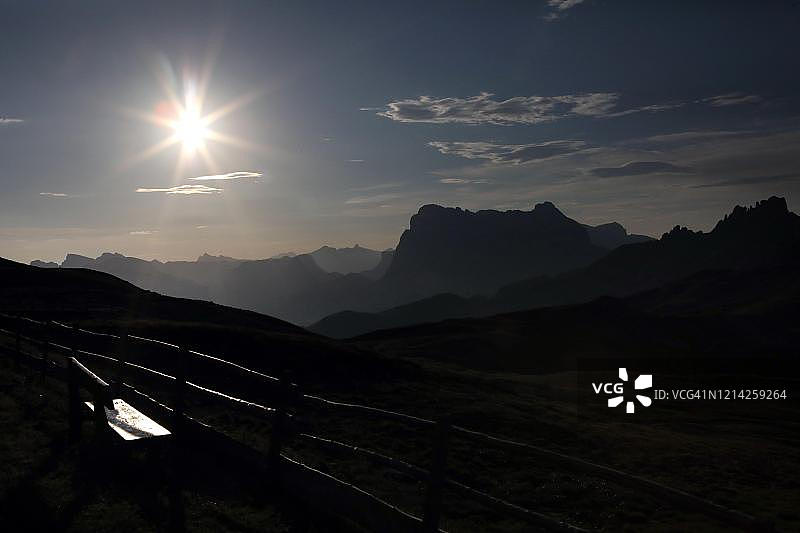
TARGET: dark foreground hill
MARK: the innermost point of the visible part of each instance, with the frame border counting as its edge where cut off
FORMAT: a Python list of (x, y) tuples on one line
[(741, 455), (100, 301), (766, 236)]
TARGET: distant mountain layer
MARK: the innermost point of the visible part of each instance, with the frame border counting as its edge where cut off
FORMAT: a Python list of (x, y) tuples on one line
[(346, 260), (89, 295), (762, 323), (613, 235), (445, 250), (764, 236), (44, 264)]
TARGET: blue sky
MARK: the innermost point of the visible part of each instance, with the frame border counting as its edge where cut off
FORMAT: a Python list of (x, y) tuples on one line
[(349, 116)]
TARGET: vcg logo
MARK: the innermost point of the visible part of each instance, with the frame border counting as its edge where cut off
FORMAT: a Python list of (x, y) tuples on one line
[(644, 381)]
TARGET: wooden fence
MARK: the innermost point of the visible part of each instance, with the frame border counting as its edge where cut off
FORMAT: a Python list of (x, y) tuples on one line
[(330, 495)]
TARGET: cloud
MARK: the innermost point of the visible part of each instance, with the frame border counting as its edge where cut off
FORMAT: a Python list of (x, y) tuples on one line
[(637, 168), (462, 181), (724, 100), (691, 136), (484, 109), (143, 232), (751, 180), (652, 108), (55, 194), (509, 153), (242, 174), (559, 7), (184, 189), (9, 120), (355, 160)]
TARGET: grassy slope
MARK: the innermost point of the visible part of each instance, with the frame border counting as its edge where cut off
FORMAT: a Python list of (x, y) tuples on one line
[(48, 485), (746, 457)]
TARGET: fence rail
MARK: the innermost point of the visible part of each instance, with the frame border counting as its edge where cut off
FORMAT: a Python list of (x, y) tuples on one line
[(435, 477)]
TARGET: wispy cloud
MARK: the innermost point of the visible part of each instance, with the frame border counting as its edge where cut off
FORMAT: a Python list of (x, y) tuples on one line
[(242, 174), (184, 189), (652, 108), (143, 232), (56, 194), (509, 153), (355, 160), (463, 181), (9, 120), (691, 136), (637, 168), (484, 109), (558, 8), (724, 100)]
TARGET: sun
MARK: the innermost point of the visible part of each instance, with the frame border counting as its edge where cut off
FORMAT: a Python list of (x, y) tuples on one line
[(189, 125), (191, 129)]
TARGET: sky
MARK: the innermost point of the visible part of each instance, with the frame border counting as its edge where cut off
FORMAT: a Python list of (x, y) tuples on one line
[(312, 123)]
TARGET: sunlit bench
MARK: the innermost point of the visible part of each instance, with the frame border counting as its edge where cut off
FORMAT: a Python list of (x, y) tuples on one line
[(126, 421), (129, 423)]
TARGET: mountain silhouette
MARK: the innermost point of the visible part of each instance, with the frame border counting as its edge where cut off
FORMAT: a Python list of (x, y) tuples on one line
[(765, 236), (613, 235), (445, 250), (44, 264), (80, 293), (467, 253), (346, 260), (151, 275)]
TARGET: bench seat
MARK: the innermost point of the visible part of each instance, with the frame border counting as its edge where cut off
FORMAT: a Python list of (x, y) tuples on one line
[(131, 424)]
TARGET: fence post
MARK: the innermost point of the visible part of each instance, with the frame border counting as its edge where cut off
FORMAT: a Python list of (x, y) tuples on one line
[(45, 350), (176, 505), (75, 340), (74, 399), (279, 423), (100, 419), (121, 353), (179, 407), (17, 342), (436, 480)]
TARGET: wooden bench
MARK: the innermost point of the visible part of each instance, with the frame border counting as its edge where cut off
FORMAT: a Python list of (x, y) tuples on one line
[(129, 423), (126, 421)]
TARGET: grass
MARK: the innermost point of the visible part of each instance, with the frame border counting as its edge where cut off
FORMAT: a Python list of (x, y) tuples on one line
[(744, 456), (49, 485)]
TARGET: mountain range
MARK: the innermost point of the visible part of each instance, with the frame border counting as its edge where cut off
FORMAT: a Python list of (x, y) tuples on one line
[(733, 290), (445, 250), (764, 236)]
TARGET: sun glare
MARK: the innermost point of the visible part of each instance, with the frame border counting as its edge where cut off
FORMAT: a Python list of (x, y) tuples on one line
[(191, 130), (190, 125)]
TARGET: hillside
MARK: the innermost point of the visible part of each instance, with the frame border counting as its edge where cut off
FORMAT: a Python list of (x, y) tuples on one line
[(101, 301)]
